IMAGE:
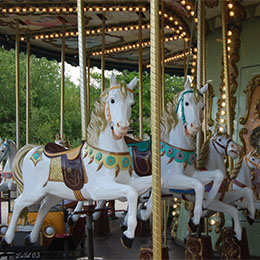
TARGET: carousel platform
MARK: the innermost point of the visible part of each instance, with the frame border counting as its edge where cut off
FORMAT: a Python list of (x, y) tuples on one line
[(109, 246)]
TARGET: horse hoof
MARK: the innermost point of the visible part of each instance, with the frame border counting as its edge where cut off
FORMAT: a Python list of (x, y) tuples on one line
[(127, 242), (237, 241), (70, 221), (123, 226), (27, 241), (250, 220), (192, 226), (4, 244)]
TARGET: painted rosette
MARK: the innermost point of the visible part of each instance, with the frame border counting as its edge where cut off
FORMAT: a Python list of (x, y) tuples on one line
[(192, 158), (180, 156), (125, 162)]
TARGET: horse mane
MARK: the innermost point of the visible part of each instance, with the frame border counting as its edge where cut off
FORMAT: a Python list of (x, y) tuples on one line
[(98, 121), (237, 167), (169, 118), (203, 155)]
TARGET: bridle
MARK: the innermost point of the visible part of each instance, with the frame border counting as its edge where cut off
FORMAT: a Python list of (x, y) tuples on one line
[(247, 159), (181, 103), (6, 151), (215, 142), (107, 110)]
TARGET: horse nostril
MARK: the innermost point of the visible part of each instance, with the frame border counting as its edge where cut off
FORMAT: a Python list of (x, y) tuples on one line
[(118, 125), (191, 125)]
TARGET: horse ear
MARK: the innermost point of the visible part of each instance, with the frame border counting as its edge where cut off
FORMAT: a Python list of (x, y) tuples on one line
[(132, 84), (6, 140), (113, 80), (57, 136), (203, 89), (187, 85), (0, 140), (63, 136), (224, 129)]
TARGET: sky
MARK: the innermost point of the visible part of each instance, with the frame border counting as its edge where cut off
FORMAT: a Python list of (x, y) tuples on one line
[(74, 74)]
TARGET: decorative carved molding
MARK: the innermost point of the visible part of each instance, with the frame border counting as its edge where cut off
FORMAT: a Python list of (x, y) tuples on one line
[(255, 82)]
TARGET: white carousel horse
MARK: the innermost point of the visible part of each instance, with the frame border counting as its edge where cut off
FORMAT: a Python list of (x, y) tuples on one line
[(181, 121), (8, 151), (211, 157), (243, 170), (105, 166)]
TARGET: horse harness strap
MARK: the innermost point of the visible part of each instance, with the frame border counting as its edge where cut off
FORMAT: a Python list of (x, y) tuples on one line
[(111, 160), (248, 160), (178, 154), (6, 151), (214, 142)]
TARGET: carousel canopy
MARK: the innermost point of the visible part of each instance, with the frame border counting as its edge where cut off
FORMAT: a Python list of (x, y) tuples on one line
[(42, 23)]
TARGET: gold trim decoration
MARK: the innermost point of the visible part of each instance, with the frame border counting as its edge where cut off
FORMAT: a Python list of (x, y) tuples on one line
[(175, 217), (111, 160), (37, 156), (55, 172), (249, 90), (78, 195), (255, 108)]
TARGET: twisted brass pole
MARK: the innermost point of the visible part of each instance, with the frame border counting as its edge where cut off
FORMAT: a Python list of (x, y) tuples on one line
[(141, 131), (103, 54), (199, 61), (28, 83), (82, 63), (62, 85), (226, 72), (162, 56), (17, 84), (155, 129)]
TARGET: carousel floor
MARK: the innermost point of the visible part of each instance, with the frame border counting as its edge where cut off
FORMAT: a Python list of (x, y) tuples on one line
[(109, 247)]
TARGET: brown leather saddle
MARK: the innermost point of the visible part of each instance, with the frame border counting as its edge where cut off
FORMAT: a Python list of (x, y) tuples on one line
[(73, 170), (141, 155)]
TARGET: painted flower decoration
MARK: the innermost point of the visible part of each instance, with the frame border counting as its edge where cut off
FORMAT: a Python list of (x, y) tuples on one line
[(91, 152), (192, 158), (110, 160), (162, 146), (125, 162), (180, 156), (36, 156), (98, 156), (170, 151)]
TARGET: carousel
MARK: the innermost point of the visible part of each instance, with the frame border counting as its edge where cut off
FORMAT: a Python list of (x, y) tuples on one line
[(196, 179)]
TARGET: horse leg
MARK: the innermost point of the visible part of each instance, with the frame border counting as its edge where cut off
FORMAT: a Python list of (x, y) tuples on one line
[(180, 181), (257, 204), (100, 205), (19, 204), (144, 214), (141, 184), (220, 206), (110, 191), (48, 202), (235, 196), (73, 218), (206, 177)]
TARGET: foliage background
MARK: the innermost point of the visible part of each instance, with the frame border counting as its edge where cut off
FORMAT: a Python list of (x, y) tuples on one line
[(45, 99)]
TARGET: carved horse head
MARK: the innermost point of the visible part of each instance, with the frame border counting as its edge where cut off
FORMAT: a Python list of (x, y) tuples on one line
[(224, 145), (118, 106), (189, 108)]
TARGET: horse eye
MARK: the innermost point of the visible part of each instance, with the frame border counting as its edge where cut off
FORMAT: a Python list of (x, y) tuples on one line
[(253, 159), (203, 108), (219, 139), (186, 103), (132, 105), (112, 101)]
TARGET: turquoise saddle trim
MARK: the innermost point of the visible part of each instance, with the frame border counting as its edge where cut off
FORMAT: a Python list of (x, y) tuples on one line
[(141, 146), (178, 155)]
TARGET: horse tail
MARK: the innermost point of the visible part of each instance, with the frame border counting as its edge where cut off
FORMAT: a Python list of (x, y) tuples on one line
[(17, 166)]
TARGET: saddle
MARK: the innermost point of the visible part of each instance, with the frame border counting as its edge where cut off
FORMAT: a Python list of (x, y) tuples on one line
[(72, 168), (141, 156)]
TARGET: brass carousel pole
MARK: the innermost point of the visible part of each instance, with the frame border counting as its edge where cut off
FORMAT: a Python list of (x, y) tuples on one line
[(141, 131), (103, 54), (155, 129), (162, 55), (226, 72), (17, 84), (28, 85), (82, 63), (184, 60), (62, 81), (88, 92), (199, 61), (205, 126)]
